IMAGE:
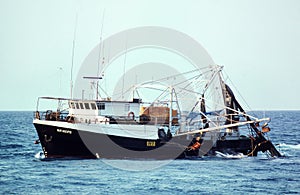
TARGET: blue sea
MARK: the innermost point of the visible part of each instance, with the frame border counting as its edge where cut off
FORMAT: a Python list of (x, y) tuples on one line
[(23, 172)]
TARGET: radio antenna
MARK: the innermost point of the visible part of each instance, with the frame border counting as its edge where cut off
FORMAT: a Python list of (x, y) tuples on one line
[(73, 53), (99, 57)]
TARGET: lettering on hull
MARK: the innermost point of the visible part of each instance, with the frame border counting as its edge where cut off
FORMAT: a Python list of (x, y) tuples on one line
[(64, 131)]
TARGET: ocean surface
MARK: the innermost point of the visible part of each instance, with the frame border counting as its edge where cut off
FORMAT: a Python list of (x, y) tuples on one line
[(23, 172)]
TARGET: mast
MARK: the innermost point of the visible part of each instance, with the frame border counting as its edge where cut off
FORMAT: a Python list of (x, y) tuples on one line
[(203, 112), (124, 69), (73, 52), (171, 108), (99, 57)]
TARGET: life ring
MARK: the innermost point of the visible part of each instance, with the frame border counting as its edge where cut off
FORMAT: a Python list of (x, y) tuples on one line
[(131, 115)]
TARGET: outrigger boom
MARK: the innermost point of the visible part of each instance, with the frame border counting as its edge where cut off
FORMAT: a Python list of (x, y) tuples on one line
[(192, 132)]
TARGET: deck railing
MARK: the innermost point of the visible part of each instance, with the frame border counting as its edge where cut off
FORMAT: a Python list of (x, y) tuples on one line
[(50, 115)]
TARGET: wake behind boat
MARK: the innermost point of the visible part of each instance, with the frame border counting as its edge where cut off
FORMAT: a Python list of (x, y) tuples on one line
[(195, 116)]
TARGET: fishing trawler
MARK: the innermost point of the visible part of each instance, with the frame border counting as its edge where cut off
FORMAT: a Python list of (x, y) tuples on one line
[(195, 115)]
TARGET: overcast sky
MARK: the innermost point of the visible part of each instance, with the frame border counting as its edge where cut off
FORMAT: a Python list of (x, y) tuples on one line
[(257, 42)]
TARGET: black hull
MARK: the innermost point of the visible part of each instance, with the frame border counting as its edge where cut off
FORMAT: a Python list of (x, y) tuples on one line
[(233, 146), (58, 142)]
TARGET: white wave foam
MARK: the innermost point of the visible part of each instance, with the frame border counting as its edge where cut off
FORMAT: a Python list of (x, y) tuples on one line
[(230, 156), (40, 155)]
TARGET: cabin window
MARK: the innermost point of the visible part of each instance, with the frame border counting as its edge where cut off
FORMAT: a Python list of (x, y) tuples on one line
[(81, 105), (87, 106), (93, 106), (101, 105), (77, 106)]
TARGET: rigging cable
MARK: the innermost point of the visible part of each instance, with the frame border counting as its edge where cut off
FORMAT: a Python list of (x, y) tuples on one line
[(248, 106)]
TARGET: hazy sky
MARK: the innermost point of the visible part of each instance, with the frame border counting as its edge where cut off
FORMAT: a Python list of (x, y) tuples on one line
[(257, 42)]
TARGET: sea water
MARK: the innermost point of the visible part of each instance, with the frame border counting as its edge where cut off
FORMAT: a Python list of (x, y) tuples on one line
[(23, 171)]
